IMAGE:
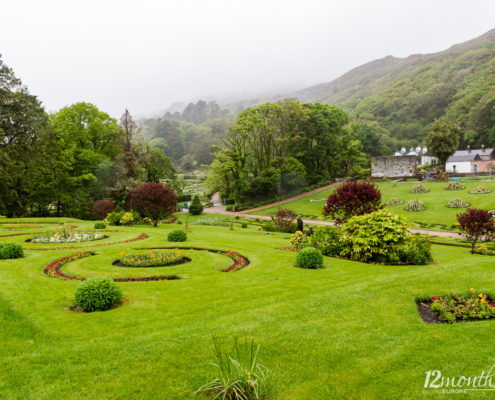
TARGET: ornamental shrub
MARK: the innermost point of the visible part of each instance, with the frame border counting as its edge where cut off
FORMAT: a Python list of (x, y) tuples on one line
[(457, 203), (374, 237), (100, 225), (269, 227), (419, 188), (127, 219), (177, 235), (415, 205), (480, 190), (416, 251), (309, 257), (284, 220), (454, 185), (394, 202), (101, 208), (480, 249), (10, 250), (153, 200), (475, 225), (114, 217), (327, 240), (352, 198), (244, 225), (297, 240), (196, 207), (97, 294)]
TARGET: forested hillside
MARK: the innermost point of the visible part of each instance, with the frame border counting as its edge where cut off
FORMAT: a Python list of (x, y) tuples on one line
[(404, 96)]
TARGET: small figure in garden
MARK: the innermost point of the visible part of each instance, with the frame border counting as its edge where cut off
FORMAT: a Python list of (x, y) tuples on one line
[(300, 225), (309, 232)]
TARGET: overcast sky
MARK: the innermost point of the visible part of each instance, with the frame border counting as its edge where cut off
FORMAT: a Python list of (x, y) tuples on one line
[(146, 54)]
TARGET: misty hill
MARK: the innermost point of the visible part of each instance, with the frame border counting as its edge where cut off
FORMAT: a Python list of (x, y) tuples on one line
[(404, 95)]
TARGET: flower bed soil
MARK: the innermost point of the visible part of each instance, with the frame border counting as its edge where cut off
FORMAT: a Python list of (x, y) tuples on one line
[(432, 317)]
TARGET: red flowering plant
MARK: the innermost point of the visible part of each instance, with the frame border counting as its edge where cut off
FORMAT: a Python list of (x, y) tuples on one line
[(459, 307), (239, 261)]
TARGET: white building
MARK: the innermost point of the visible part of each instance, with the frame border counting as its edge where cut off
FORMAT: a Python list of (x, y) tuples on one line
[(461, 163), (426, 156)]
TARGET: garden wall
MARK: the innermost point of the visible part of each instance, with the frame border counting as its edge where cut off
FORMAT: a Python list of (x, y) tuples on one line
[(393, 166)]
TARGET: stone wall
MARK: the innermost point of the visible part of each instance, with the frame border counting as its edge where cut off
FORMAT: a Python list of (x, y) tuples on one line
[(393, 166)]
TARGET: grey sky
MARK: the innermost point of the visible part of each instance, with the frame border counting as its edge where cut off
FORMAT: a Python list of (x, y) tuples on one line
[(146, 54)]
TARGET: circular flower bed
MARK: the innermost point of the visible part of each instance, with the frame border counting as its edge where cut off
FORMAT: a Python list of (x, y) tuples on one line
[(480, 190), (454, 185), (394, 202), (457, 203), (151, 258), (54, 269)]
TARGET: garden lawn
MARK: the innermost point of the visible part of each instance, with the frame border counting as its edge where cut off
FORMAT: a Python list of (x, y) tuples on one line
[(437, 216), (350, 330)]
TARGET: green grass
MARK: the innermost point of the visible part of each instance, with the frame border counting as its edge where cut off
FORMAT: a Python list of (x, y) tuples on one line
[(436, 216), (349, 330)]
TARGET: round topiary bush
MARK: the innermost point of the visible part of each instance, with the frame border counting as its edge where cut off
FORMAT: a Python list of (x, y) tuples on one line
[(415, 205), (419, 188), (10, 250), (97, 294), (196, 207), (309, 257), (177, 235), (100, 225)]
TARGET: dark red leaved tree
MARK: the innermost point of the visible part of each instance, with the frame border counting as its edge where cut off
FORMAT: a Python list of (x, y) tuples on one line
[(352, 198), (101, 208), (153, 200), (476, 225)]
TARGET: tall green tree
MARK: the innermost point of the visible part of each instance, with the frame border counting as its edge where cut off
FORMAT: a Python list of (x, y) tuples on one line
[(442, 140)]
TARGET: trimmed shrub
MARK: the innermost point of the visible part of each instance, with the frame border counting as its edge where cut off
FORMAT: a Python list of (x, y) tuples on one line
[(179, 222), (419, 188), (177, 235), (100, 225), (102, 208), (457, 203), (244, 225), (309, 257), (416, 251), (196, 207), (415, 205), (454, 185), (269, 227), (10, 250), (97, 294), (327, 240)]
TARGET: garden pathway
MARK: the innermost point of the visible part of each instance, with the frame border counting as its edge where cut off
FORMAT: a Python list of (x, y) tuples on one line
[(221, 210)]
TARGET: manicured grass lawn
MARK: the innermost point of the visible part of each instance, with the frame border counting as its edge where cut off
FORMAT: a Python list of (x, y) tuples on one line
[(350, 330), (436, 216)]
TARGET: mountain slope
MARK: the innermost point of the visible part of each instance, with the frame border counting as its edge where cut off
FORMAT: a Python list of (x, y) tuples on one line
[(405, 95)]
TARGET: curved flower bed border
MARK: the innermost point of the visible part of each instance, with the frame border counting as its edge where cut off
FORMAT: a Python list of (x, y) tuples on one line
[(54, 270), (239, 260), (140, 237)]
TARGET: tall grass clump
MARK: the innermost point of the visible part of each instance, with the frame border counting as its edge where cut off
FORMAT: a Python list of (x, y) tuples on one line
[(239, 375)]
